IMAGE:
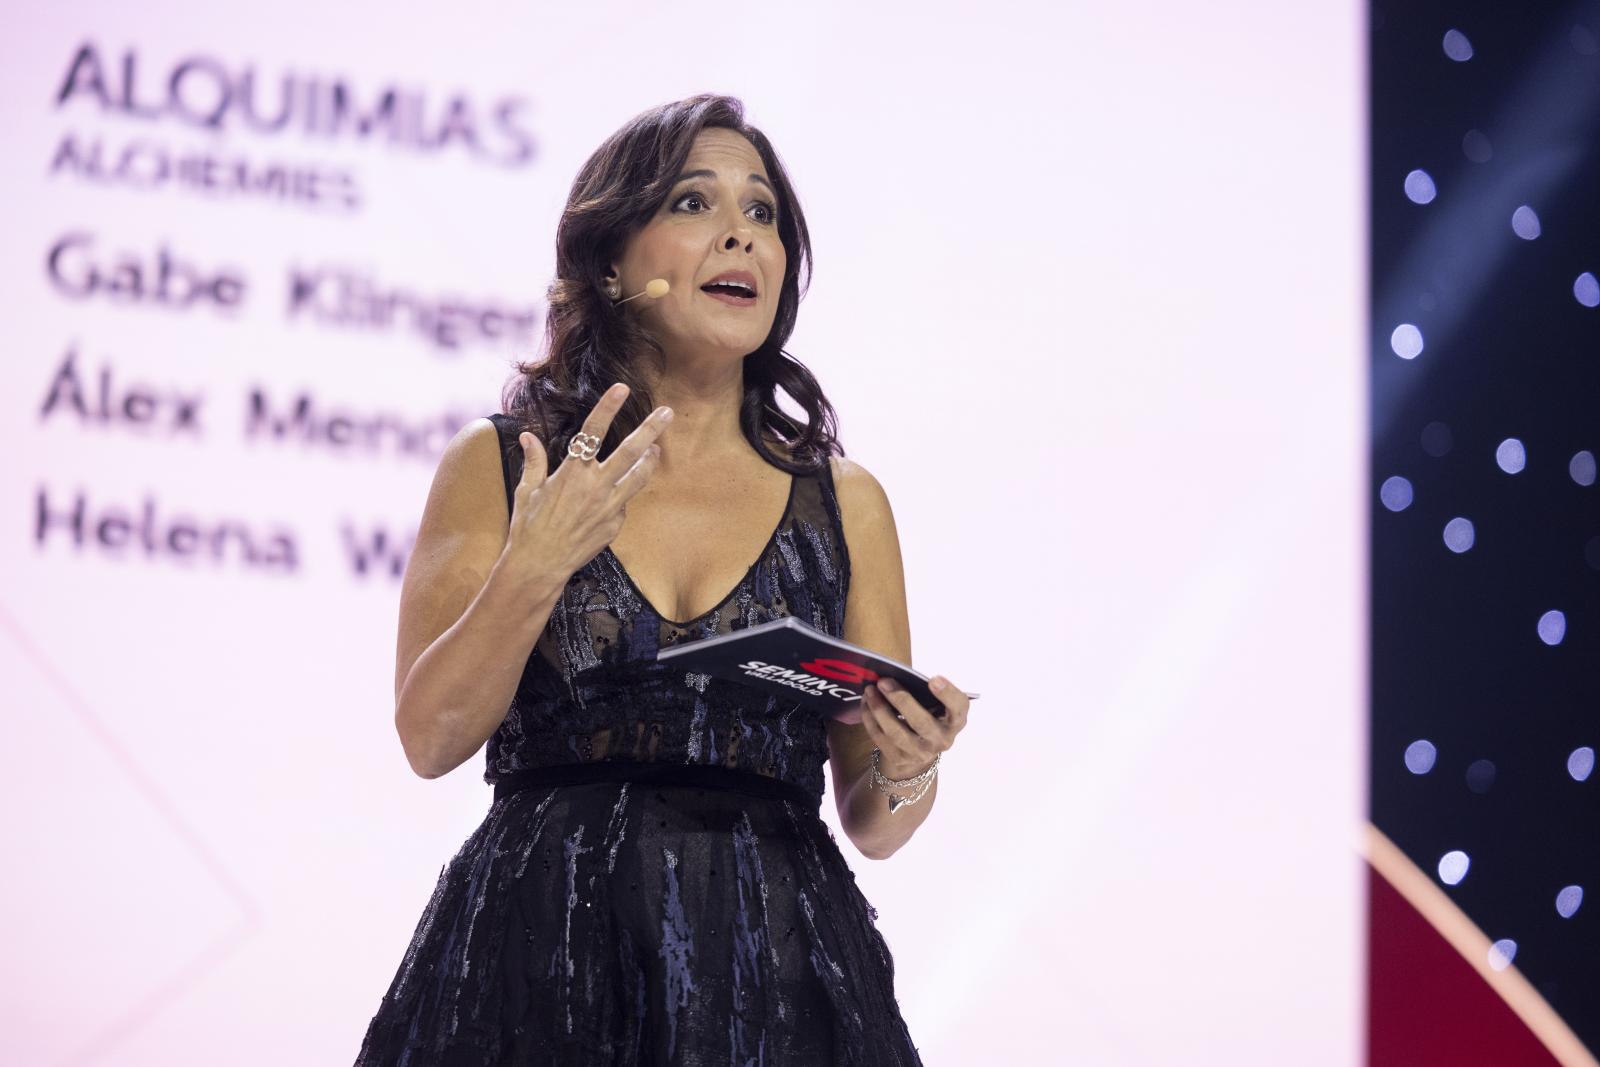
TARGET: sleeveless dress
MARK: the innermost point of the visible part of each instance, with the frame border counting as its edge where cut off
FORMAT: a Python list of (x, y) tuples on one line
[(652, 883)]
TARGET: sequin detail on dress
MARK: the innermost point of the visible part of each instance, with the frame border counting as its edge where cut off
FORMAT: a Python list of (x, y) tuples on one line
[(633, 922)]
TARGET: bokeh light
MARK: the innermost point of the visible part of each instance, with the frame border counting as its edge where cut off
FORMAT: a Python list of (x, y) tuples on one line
[(1420, 188), (1511, 456), (1480, 776), (1501, 953), (1525, 223), (1581, 467), (1406, 340), (1395, 493), (1420, 757), (1586, 288), (1476, 147)]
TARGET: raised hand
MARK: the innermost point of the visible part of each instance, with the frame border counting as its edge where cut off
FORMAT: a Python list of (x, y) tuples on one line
[(561, 521)]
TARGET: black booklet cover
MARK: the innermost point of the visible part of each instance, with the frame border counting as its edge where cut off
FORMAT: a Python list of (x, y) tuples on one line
[(795, 661)]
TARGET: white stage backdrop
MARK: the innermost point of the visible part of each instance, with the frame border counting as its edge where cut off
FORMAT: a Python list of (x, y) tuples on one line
[(1089, 297)]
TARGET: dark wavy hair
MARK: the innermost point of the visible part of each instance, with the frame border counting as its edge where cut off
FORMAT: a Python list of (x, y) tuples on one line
[(590, 343)]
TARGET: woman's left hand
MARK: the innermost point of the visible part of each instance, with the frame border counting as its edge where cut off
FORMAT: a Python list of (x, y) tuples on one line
[(910, 743)]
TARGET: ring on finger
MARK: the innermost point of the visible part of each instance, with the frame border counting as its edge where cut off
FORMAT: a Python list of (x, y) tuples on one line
[(583, 445)]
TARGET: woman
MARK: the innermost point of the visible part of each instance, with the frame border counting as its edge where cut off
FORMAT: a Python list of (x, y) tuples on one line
[(652, 883)]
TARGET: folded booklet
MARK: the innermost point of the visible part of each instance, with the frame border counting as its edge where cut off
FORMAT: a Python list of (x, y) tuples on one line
[(791, 660)]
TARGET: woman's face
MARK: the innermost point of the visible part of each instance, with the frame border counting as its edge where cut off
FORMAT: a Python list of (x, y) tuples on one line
[(710, 223)]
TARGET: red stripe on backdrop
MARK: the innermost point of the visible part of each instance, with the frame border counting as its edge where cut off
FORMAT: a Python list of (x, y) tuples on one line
[(1426, 1004)]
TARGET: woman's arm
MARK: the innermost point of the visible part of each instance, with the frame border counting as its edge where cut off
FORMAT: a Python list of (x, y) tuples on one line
[(875, 618), (468, 620)]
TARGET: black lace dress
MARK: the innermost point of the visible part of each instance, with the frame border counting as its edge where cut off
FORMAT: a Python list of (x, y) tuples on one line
[(652, 882)]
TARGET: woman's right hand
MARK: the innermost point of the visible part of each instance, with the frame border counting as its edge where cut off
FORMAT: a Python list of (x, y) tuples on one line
[(562, 521)]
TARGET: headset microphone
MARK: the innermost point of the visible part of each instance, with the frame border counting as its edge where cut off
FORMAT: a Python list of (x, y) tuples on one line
[(654, 288)]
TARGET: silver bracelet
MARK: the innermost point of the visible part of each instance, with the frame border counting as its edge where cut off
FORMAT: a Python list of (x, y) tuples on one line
[(890, 786)]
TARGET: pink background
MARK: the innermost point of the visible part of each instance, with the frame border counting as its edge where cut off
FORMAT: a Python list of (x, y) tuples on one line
[(1090, 299)]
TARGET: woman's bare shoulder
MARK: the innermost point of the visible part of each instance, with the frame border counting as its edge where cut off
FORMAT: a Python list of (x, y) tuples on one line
[(855, 483), (468, 483)]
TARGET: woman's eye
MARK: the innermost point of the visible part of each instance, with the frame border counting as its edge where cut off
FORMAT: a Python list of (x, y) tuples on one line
[(769, 218)]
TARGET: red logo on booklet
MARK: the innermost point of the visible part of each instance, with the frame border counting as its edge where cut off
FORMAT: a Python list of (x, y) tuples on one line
[(840, 670)]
